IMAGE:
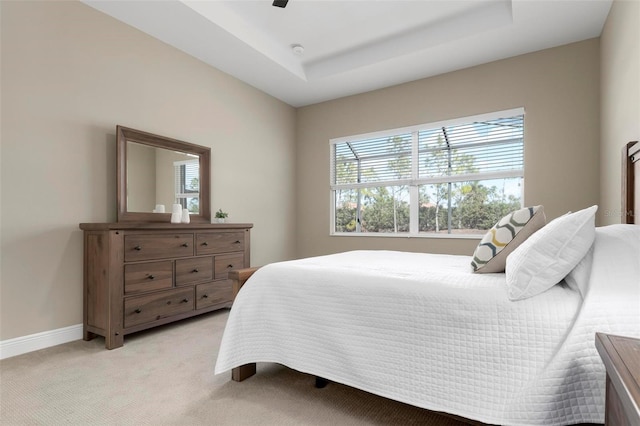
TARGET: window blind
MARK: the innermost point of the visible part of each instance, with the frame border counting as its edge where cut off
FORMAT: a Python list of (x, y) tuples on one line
[(489, 148), (373, 160), (479, 147)]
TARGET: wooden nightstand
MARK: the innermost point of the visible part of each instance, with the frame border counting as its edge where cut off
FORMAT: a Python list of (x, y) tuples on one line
[(621, 357)]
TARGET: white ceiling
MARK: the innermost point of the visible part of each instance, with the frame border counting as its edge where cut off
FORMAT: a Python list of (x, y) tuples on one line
[(354, 46)]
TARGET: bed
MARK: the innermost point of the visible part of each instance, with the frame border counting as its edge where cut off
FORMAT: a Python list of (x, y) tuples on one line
[(425, 330)]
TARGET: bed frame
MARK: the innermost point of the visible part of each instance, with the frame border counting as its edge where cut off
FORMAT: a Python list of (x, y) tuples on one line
[(631, 183), (630, 214), (239, 277)]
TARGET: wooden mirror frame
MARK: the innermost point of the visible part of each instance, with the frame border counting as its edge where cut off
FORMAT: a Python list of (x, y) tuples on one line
[(124, 135)]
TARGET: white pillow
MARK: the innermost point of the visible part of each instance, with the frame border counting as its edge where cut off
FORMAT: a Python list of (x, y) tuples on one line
[(578, 278), (547, 256)]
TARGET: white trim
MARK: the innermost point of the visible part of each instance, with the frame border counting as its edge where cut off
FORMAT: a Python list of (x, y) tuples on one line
[(515, 173), (37, 341), (414, 194), (410, 235), (332, 217)]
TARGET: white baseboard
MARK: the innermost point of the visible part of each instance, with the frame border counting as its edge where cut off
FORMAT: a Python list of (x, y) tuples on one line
[(34, 342)]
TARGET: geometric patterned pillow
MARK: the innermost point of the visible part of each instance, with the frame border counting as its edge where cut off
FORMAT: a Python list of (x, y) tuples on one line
[(505, 236)]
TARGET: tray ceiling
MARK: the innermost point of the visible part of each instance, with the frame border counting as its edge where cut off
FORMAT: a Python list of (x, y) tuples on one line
[(313, 51)]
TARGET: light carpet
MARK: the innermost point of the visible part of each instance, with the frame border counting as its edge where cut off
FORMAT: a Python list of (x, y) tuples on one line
[(164, 376)]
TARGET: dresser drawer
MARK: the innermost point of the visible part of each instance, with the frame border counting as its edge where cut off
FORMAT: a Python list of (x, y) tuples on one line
[(197, 269), (214, 293), (157, 246), (155, 306), (227, 262), (219, 242), (141, 277)]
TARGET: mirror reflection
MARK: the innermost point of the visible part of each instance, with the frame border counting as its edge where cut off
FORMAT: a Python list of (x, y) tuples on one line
[(157, 178), (155, 172)]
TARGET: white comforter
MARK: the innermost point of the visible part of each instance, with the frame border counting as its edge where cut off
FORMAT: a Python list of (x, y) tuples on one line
[(424, 330)]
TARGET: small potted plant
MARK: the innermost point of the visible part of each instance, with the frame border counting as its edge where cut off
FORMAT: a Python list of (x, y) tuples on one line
[(220, 216)]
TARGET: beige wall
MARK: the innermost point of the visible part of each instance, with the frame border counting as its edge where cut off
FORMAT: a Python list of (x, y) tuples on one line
[(559, 89), (620, 104), (69, 75)]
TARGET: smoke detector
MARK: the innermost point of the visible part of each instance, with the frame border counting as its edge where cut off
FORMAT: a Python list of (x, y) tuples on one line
[(297, 49)]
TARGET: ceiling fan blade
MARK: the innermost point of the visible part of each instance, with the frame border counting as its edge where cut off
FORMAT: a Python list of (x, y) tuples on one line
[(280, 3)]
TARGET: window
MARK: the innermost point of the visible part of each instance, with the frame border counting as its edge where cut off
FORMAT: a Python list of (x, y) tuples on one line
[(187, 184), (450, 178)]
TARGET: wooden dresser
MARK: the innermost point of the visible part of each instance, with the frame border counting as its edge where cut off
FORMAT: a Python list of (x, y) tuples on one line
[(621, 358), (141, 275)]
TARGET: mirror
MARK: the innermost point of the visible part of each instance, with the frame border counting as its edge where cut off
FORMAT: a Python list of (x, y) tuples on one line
[(154, 172)]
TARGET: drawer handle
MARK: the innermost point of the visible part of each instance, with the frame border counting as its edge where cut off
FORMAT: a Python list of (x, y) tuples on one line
[(185, 245), (137, 248), (185, 300), (204, 296), (151, 277), (205, 243), (237, 242), (195, 271), (229, 266), (137, 311)]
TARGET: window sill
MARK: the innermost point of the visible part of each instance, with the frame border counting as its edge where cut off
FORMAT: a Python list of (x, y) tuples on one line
[(407, 235)]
